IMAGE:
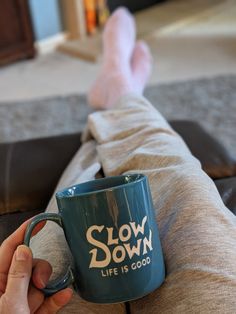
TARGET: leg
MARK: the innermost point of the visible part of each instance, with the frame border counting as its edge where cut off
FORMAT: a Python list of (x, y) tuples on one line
[(133, 136), (126, 64), (50, 244), (198, 233)]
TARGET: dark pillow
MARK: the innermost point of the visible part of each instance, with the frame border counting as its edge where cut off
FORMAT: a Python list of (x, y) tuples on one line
[(216, 161), (227, 190), (30, 170), (10, 222)]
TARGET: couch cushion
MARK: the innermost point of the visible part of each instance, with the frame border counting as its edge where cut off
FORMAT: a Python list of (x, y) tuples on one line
[(216, 161), (10, 222), (227, 190), (30, 170)]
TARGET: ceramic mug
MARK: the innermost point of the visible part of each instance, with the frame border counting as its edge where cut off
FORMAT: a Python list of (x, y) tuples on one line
[(111, 231)]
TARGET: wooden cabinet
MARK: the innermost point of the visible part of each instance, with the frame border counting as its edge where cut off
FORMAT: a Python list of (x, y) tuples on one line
[(16, 33)]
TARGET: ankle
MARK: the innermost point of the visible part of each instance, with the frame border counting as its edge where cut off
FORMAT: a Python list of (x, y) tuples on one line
[(118, 87), (113, 67)]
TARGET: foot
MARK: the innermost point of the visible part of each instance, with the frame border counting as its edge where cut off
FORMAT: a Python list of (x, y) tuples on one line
[(126, 64), (141, 66), (119, 37)]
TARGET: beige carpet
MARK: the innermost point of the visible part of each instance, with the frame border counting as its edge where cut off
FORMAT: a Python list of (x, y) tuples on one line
[(211, 102)]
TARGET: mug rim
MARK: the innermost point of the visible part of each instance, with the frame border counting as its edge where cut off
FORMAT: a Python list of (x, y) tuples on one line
[(139, 177)]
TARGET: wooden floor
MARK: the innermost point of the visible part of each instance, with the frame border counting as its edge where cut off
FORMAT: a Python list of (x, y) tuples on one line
[(171, 14), (161, 18), (217, 19)]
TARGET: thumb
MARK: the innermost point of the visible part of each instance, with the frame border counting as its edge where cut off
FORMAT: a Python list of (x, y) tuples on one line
[(20, 273)]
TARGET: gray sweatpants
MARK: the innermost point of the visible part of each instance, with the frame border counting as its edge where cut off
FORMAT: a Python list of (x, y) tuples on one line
[(198, 233)]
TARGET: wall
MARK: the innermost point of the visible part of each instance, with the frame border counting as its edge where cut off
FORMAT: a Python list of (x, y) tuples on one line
[(46, 18)]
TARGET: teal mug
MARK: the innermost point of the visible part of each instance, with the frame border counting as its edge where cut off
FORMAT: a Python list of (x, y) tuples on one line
[(111, 231)]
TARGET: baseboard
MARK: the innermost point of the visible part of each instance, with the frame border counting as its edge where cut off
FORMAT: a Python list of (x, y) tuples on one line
[(50, 44)]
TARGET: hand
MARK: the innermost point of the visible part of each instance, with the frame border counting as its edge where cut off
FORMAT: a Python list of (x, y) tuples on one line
[(21, 275)]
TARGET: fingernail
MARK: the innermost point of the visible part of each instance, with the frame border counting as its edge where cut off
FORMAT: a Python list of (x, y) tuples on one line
[(43, 280), (22, 253)]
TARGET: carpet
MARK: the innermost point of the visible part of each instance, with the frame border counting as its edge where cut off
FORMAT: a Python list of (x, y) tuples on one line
[(210, 101)]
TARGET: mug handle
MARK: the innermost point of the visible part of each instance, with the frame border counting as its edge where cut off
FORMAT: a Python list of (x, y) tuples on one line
[(59, 283)]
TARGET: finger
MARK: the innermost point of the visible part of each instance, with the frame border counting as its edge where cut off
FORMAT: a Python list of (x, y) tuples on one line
[(9, 246), (19, 274), (42, 271), (54, 303), (35, 298)]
